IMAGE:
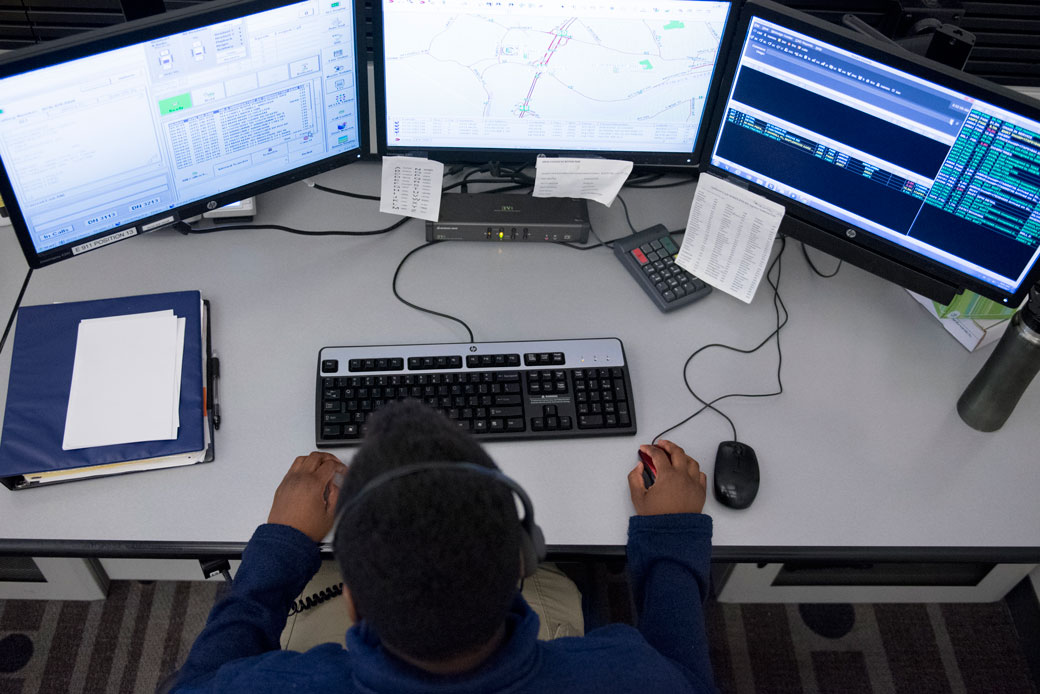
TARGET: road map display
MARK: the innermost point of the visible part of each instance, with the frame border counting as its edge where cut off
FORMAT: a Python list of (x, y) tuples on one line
[(623, 76)]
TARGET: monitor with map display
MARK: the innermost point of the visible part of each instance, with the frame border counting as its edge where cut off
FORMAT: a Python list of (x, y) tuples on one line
[(924, 175), (489, 80), (121, 131)]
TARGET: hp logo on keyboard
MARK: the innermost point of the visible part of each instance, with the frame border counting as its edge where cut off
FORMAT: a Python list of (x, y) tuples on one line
[(472, 348), (851, 233)]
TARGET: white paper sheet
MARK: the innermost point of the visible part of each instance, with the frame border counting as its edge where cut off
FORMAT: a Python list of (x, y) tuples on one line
[(411, 186), (593, 179), (124, 380), (729, 236)]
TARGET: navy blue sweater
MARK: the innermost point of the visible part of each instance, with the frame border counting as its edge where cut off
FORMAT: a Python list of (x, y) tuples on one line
[(668, 560)]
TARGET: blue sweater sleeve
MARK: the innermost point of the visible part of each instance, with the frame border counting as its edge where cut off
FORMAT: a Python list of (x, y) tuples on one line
[(669, 560), (276, 565)]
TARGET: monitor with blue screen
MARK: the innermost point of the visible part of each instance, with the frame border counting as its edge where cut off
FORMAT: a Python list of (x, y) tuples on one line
[(118, 132), (879, 151), (481, 80)]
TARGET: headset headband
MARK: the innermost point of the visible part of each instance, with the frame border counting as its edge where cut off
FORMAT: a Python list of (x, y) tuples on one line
[(532, 540)]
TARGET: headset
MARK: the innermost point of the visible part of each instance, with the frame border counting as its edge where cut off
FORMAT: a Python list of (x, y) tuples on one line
[(532, 540)]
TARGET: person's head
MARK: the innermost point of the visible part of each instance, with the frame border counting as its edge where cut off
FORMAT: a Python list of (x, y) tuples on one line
[(430, 560)]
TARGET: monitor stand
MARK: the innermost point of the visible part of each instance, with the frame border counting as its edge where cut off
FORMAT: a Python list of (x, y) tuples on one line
[(915, 280)]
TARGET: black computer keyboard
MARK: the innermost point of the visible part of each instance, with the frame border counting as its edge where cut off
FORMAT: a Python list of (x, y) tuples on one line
[(494, 390)]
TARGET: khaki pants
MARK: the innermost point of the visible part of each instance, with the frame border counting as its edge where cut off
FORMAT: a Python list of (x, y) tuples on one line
[(549, 592)]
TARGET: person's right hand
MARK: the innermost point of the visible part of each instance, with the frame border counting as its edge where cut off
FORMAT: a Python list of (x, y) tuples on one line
[(680, 486)]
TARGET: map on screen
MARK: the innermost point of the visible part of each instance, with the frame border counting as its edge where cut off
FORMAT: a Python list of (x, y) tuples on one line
[(624, 76)]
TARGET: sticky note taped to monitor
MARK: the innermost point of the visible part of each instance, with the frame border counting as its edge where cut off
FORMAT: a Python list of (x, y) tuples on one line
[(125, 386)]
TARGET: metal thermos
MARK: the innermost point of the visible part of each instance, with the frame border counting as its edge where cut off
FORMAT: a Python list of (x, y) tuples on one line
[(990, 398)]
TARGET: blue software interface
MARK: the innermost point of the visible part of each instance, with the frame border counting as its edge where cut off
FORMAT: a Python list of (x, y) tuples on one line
[(625, 75), (100, 142), (941, 173)]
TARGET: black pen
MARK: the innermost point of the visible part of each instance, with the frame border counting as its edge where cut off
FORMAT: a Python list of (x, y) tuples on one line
[(214, 373)]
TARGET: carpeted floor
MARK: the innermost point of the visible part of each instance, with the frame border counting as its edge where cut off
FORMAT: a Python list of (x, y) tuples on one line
[(130, 641)]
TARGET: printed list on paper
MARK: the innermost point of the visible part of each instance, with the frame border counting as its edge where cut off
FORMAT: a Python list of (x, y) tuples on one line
[(729, 236), (598, 180), (411, 186), (125, 380)]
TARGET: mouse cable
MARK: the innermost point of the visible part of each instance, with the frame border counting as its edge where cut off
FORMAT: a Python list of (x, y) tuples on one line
[(415, 306), (14, 311), (778, 304), (186, 229), (812, 265)]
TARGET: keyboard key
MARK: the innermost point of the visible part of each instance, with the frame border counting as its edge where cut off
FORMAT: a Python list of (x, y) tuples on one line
[(590, 421)]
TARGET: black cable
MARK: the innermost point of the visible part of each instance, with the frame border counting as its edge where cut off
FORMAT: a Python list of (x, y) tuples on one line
[(815, 269), (417, 307), (14, 311), (637, 181), (185, 228), (316, 599), (359, 196), (778, 304), (628, 219), (673, 184), (582, 248)]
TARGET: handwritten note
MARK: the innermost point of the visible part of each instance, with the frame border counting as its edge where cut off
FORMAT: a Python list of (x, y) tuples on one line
[(412, 187), (729, 236), (593, 179)]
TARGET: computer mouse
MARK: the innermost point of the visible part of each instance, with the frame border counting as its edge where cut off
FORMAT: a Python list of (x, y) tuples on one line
[(736, 474), (649, 469)]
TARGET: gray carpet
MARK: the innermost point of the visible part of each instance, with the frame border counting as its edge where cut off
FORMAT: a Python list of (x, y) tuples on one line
[(130, 641)]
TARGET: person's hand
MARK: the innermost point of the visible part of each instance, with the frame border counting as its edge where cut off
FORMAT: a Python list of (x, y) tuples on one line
[(680, 486), (306, 498)]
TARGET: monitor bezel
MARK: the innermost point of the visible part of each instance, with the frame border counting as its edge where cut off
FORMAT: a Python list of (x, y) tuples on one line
[(147, 29), (476, 156), (863, 241)]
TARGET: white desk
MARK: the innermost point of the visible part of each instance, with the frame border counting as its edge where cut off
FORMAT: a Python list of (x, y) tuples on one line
[(863, 455)]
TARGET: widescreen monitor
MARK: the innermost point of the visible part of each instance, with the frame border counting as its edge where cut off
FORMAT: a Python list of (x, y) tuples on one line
[(925, 174), (495, 80), (121, 131)]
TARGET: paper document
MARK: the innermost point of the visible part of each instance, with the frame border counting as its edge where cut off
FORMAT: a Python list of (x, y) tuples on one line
[(125, 386), (729, 236), (411, 186), (593, 179)]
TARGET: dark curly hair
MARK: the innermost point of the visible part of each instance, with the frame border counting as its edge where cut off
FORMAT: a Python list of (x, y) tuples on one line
[(432, 560)]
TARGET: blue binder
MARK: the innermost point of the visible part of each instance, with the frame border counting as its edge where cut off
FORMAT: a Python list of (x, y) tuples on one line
[(41, 375)]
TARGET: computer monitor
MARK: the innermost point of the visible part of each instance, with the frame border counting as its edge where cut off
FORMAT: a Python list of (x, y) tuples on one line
[(120, 131), (478, 81), (919, 173)]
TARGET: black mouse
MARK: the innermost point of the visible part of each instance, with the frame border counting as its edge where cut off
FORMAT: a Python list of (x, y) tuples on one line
[(736, 474)]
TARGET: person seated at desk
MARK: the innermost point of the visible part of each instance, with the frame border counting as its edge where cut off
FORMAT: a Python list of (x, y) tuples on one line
[(431, 561)]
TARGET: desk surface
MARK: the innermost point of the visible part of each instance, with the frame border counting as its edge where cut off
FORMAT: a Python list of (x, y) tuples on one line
[(862, 455)]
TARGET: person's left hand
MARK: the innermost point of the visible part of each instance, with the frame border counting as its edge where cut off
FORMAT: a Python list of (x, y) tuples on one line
[(306, 498)]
